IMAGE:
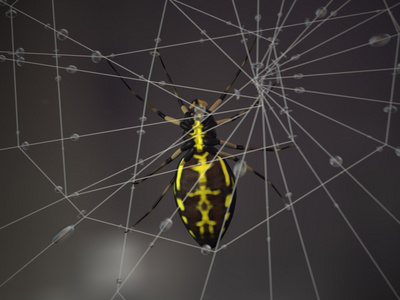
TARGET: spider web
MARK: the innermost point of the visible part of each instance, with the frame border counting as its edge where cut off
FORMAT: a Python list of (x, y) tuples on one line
[(322, 76)]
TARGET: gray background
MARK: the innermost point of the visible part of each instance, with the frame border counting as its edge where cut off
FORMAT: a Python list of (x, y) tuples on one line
[(96, 105)]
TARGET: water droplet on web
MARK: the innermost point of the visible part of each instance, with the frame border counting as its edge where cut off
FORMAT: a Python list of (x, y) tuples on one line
[(62, 34), (63, 234), (96, 56), (379, 40), (206, 249), (141, 132), (82, 213), (20, 61), (25, 146), (11, 13), (295, 57), (74, 137), (299, 90), (298, 76), (390, 109), (2, 58), (321, 12), (166, 224), (58, 189), (154, 53), (397, 151), (71, 69), (336, 161), (20, 52), (240, 168)]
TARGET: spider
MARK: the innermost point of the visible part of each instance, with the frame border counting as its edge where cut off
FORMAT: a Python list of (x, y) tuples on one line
[(203, 184)]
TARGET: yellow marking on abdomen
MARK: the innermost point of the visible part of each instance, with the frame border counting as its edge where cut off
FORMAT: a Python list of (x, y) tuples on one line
[(225, 170)]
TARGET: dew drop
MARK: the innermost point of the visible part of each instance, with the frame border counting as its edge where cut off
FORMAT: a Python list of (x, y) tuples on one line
[(162, 83), (295, 57), (82, 213), (321, 12), (20, 52), (58, 189), (62, 34), (63, 234), (206, 249), (96, 56), (298, 76), (25, 146), (237, 94), (299, 90), (397, 151), (390, 109), (71, 69), (74, 137), (57, 78), (11, 13), (199, 112), (240, 169), (2, 58), (257, 18), (75, 195), (140, 131), (20, 61), (307, 22), (119, 281), (379, 40), (157, 40), (154, 53), (166, 224), (257, 65), (336, 161)]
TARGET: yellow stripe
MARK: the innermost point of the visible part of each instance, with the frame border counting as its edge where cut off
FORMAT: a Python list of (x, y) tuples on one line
[(179, 175), (180, 204), (225, 170), (228, 200), (185, 220)]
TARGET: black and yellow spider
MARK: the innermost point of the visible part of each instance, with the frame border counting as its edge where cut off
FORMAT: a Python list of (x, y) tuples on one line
[(204, 183)]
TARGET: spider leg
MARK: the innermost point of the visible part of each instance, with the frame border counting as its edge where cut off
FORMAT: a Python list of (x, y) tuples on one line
[(233, 118), (252, 170), (164, 163), (180, 102), (153, 108), (221, 98), (156, 203), (242, 147)]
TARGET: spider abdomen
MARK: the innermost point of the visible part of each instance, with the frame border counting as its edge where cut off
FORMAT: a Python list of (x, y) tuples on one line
[(204, 195)]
